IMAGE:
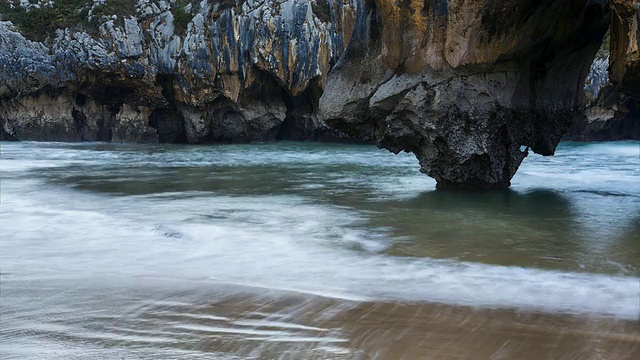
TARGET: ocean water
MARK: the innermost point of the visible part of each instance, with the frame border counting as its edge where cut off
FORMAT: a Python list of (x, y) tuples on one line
[(306, 250)]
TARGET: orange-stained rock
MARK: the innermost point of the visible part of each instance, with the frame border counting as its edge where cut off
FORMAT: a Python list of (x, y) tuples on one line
[(625, 40), (468, 86)]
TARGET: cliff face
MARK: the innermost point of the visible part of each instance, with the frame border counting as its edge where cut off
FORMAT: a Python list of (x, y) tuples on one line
[(468, 86), (240, 71), (608, 114), (614, 113), (625, 37), (611, 108)]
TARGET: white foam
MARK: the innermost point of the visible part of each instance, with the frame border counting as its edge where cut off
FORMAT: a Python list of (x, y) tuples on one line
[(621, 149), (276, 243), (277, 324), (298, 339), (228, 330), (22, 165)]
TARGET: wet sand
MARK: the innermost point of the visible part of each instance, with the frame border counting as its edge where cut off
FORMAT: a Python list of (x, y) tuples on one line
[(226, 322), (313, 251)]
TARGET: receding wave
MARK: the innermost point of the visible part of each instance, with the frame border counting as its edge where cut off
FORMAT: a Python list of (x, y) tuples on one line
[(284, 243)]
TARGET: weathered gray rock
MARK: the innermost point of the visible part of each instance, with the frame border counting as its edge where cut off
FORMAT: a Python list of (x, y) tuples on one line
[(230, 75), (132, 125), (39, 118), (608, 114), (612, 106), (467, 86)]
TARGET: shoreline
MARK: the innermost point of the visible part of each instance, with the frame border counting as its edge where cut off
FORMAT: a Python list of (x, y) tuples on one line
[(232, 320)]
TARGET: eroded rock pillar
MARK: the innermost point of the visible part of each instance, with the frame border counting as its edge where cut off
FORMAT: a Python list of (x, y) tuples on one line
[(468, 86)]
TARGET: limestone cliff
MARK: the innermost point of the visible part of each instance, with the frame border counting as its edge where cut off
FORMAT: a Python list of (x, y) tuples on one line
[(237, 71), (608, 113), (625, 41), (612, 110), (468, 86)]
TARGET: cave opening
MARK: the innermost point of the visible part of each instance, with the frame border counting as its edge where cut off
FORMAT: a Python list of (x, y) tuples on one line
[(168, 120), (105, 124), (92, 120), (299, 124), (169, 124), (111, 94), (81, 99), (79, 121)]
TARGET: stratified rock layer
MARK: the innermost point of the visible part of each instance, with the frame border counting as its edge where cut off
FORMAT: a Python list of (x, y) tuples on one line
[(468, 86), (241, 71)]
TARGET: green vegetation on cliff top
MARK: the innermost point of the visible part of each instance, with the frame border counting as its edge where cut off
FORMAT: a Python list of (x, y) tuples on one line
[(181, 16), (38, 23)]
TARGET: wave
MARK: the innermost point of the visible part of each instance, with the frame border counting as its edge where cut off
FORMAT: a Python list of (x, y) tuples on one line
[(275, 242), (619, 148)]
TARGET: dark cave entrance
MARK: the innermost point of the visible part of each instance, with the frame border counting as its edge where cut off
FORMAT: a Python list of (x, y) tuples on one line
[(169, 124)]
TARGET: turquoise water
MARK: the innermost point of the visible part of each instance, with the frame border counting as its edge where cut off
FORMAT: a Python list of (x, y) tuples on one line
[(353, 224)]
